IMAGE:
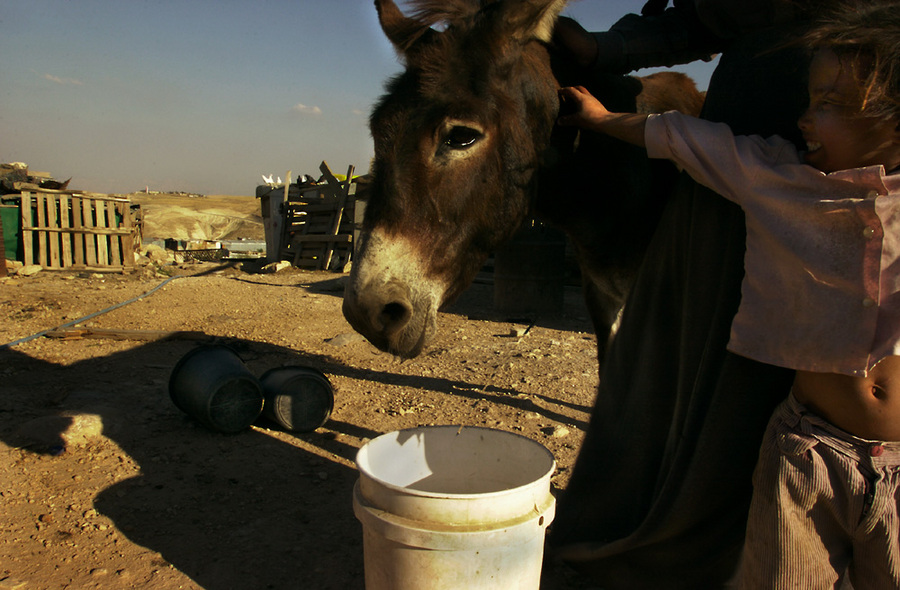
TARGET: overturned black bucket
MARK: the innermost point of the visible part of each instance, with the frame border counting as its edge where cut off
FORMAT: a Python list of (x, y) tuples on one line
[(212, 384), (299, 399)]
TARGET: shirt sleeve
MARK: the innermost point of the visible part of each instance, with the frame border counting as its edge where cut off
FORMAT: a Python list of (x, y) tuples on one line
[(675, 36), (711, 154), (731, 18)]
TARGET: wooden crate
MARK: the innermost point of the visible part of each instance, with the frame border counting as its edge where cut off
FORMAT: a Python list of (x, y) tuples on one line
[(318, 224), (79, 231), (310, 243)]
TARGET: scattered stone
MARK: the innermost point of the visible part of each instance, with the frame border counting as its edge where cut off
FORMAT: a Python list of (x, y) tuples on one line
[(345, 339), (273, 267), (11, 584), (13, 266), (555, 431), (65, 429), (560, 432), (157, 254), (29, 270)]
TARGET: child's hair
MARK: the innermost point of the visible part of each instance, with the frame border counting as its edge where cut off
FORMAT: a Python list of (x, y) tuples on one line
[(866, 33)]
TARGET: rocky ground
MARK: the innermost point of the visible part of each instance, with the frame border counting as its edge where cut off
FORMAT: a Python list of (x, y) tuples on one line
[(104, 483)]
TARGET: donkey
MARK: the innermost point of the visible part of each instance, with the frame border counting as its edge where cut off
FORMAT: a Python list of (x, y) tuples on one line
[(465, 152)]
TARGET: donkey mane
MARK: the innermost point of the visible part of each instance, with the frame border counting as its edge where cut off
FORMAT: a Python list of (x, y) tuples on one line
[(430, 13), (464, 15)]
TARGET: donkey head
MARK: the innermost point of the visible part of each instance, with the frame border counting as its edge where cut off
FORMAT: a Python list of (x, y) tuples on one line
[(458, 137)]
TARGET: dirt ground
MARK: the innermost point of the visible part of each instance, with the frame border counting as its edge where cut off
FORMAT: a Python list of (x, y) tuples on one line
[(104, 483)]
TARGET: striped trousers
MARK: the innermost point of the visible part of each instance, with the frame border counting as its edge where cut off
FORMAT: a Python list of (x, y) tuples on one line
[(824, 508)]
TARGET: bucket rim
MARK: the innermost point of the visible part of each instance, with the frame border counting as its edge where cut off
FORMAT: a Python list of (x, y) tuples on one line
[(448, 495), (313, 372)]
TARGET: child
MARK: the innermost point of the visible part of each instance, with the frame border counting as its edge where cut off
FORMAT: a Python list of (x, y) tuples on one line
[(821, 295)]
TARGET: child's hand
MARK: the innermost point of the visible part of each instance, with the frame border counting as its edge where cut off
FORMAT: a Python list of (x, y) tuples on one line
[(577, 107)]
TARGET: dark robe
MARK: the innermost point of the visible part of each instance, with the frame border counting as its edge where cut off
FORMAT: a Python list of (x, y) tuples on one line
[(660, 492)]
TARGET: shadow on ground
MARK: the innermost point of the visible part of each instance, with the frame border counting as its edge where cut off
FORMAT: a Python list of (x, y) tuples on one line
[(239, 511)]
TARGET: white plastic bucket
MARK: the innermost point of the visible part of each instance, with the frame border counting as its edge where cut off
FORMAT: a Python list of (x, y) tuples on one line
[(453, 507)]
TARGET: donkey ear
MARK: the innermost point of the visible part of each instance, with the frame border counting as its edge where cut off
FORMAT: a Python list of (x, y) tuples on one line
[(531, 19), (401, 30)]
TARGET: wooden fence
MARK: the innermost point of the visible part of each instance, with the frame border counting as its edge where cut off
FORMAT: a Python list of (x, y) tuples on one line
[(80, 231)]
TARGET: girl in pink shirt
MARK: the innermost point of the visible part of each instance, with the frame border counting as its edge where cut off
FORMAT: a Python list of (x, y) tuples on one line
[(821, 295)]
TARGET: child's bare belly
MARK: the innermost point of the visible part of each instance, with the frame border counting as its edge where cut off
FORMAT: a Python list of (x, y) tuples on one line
[(868, 407)]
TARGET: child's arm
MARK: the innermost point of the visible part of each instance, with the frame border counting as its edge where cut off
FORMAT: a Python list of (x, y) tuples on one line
[(708, 151), (581, 109)]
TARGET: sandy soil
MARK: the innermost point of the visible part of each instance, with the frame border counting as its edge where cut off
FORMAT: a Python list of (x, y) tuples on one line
[(104, 483), (212, 217)]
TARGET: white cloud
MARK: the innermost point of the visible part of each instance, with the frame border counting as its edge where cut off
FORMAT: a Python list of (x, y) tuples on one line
[(62, 81), (306, 110)]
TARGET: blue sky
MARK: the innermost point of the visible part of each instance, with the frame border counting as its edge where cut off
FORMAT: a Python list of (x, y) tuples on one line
[(200, 95)]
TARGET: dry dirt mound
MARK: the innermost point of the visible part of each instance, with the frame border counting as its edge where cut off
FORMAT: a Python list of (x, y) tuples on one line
[(200, 218), (182, 223)]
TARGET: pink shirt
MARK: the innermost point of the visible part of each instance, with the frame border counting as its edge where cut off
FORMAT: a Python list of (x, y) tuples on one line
[(821, 288)]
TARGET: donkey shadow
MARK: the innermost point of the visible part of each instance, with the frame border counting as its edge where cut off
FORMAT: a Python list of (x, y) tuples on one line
[(246, 510)]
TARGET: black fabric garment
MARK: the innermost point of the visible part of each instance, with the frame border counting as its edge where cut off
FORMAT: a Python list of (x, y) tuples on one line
[(660, 491)]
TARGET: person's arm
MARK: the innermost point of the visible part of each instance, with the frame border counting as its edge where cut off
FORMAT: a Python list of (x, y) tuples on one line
[(581, 109), (675, 36), (709, 152)]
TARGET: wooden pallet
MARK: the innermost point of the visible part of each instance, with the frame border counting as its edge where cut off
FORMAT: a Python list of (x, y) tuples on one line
[(79, 231), (319, 224)]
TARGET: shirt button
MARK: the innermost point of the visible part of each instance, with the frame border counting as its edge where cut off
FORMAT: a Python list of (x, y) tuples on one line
[(868, 302), (869, 233), (871, 194), (877, 451)]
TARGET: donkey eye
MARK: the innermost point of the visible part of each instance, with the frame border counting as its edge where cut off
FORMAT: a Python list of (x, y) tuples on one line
[(461, 137)]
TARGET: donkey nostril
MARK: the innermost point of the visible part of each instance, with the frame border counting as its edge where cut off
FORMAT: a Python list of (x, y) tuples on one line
[(394, 316)]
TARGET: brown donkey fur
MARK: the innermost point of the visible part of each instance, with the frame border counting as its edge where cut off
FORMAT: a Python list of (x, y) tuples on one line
[(465, 152)]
